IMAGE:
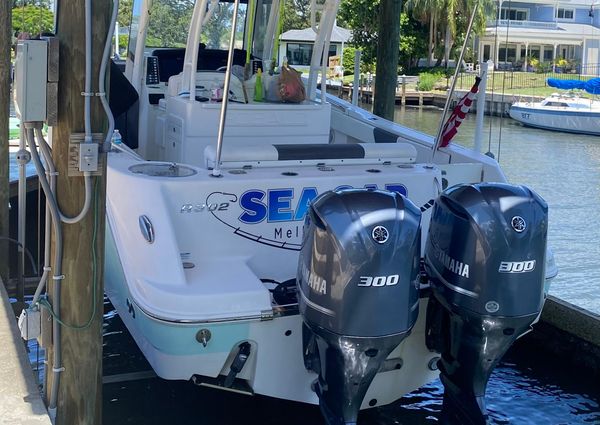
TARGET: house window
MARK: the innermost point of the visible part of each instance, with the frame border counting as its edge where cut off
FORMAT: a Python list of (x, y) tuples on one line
[(562, 13), (301, 53), (507, 54), (514, 14)]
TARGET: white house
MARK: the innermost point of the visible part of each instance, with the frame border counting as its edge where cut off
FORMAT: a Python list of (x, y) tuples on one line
[(544, 30), (297, 45)]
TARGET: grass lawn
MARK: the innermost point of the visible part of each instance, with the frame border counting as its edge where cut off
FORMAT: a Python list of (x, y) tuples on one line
[(518, 83), (13, 129)]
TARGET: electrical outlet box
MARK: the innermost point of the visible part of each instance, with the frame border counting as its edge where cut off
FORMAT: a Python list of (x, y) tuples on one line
[(88, 157), (76, 141), (31, 77), (30, 324)]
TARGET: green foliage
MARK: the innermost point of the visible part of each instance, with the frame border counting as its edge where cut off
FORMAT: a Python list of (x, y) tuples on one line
[(125, 10), (348, 60), (427, 80), (413, 41), (169, 24), (452, 15), (32, 20), (361, 17), (296, 14)]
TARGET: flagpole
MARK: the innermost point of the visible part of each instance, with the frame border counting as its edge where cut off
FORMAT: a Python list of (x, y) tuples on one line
[(438, 138)]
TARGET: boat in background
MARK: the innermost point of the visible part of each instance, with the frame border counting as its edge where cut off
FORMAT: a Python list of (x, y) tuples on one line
[(566, 112)]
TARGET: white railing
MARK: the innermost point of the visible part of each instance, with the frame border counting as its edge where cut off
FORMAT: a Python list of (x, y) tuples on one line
[(522, 24)]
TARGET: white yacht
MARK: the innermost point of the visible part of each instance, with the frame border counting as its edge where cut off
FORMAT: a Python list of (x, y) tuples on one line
[(566, 111), (222, 279)]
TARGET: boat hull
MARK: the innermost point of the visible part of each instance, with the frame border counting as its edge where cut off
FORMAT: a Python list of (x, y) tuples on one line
[(275, 367), (580, 122), (205, 267)]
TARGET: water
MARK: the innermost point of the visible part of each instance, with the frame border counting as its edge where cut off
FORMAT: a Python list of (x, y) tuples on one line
[(565, 170), (525, 389)]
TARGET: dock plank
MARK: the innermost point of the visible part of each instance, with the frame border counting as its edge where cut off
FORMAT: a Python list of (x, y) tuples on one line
[(20, 399)]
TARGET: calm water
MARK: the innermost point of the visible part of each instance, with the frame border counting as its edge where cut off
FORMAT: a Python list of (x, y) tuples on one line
[(565, 170), (526, 389)]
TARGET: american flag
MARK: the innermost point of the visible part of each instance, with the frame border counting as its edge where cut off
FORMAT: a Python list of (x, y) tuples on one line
[(458, 114)]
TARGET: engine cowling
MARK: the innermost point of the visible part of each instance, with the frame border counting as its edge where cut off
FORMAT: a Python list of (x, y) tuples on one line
[(358, 290), (485, 255)]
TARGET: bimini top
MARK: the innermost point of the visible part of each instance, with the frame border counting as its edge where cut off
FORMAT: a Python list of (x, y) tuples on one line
[(591, 86)]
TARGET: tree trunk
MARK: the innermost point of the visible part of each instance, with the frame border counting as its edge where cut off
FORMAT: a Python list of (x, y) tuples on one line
[(387, 58), (430, 47), (447, 47), (5, 44)]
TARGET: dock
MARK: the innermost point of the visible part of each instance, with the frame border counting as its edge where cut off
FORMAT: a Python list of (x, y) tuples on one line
[(20, 402), (496, 104)]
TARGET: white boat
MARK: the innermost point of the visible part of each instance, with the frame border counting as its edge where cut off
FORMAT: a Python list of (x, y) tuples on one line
[(207, 236), (566, 112)]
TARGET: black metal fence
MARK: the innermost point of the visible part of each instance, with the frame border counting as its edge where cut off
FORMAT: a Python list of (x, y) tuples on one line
[(518, 79)]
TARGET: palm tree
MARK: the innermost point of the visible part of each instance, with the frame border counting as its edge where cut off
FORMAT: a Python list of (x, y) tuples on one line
[(426, 11), (450, 16)]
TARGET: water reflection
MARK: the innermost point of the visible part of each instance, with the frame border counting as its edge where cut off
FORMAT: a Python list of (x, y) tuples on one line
[(524, 389)]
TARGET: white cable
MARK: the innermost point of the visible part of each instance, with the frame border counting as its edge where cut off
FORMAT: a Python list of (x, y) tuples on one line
[(52, 171), (102, 76)]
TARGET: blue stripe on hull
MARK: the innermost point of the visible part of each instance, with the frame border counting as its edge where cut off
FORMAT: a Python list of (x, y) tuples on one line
[(536, 113)]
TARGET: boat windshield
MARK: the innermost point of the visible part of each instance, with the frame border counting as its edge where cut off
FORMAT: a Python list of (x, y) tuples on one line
[(169, 25)]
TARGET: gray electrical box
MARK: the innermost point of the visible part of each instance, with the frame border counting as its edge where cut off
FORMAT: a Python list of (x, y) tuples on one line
[(31, 77)]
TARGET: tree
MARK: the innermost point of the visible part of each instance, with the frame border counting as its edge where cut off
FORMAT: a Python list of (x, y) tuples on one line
[(32, 20), (447, 20), (296, 14), (169, 24), (361, 17), (125, 11), (412, 41)]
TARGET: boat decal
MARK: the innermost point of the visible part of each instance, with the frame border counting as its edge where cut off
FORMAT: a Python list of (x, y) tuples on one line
[(237, 230), (272, 206), (314, 305)]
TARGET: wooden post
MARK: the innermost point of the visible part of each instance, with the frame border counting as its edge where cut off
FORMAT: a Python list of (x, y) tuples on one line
[(387, 58), (403, 101), (80, 391), (5, 44)]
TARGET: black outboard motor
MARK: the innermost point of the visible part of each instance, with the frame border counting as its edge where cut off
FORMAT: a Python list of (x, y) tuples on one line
[(358, 291), (485, 256)]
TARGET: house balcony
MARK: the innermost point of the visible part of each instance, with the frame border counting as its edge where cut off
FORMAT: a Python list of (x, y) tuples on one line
[(522, 24)]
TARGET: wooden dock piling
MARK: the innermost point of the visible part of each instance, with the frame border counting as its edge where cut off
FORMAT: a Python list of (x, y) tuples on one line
[(80, 393), (5, 45)]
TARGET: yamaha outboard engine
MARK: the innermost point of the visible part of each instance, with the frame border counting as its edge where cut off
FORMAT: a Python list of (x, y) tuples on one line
[(485, 256), (358, 291)]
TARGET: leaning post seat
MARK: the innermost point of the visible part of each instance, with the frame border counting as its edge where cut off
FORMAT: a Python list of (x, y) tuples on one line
[(311, 154)]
